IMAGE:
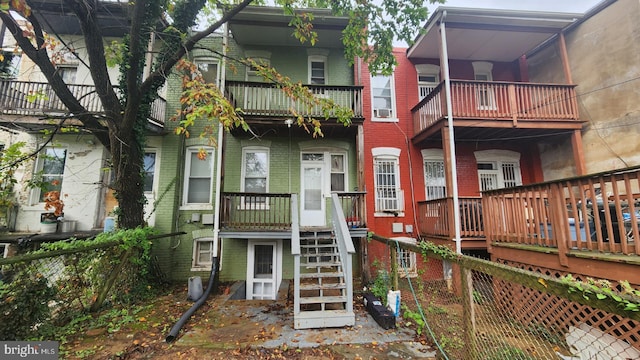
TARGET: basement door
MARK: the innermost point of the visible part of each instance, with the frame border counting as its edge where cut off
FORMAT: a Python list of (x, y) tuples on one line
[(262, 270), (312, 202)]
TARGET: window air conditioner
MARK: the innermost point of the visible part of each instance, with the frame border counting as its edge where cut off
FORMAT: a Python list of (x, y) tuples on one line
[(382, 113)]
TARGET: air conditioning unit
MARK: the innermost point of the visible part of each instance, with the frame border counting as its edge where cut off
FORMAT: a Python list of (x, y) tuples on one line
[(382, 113)]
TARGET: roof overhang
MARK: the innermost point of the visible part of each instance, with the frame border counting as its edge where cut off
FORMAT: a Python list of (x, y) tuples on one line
[(56, 17), (269, 26), (488, 34)]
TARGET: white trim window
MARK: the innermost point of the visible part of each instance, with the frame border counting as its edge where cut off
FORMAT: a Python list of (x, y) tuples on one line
[(50, 168), (317, 70), (68, 73), (434, 175), (209, 68), (198, 188), (428, 79), (338, 173), (498, 169), (255, 175), (149, 168), (386, 169), (383, 98), (407, 263), (4, 250), (485, 98), (202, 254)]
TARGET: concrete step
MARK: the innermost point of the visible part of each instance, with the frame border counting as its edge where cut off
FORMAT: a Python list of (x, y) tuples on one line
[(323, 319)]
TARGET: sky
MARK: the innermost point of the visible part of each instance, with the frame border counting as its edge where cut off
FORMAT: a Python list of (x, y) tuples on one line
[(579, 6)]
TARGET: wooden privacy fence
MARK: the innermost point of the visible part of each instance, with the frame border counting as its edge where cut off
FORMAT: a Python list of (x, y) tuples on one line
[(595, 213), (513, 313)]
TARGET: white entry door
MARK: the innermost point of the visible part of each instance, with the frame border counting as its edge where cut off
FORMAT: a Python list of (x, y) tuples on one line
[(312, 202), (262, 272)]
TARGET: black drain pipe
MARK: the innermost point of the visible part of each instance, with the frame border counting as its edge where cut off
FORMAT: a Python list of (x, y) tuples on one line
[(185, 317)]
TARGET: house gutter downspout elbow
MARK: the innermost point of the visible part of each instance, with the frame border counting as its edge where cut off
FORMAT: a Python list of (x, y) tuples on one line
[(452, 142)]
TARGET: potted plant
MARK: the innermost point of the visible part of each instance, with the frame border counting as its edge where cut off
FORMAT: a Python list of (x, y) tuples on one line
[(49, 220)]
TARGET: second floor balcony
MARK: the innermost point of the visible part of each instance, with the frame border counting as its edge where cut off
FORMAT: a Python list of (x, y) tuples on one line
[(266, 102), (26, 98), (497, 105)]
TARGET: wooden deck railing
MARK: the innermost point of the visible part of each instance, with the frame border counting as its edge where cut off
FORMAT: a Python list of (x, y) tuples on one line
[(36, 98), (435, 218), (272, 212), (497, 101), (265, 99), (352, 204), (255, 212), (598, 213)]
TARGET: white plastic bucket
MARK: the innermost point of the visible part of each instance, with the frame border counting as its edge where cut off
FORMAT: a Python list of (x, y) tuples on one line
[(393, 302)]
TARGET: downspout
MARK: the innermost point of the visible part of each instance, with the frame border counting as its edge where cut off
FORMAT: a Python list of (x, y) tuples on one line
[(452, 142), (217, 194), (173, 333)]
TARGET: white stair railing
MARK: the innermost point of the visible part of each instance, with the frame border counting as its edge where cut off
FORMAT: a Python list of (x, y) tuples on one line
[(345, 247)]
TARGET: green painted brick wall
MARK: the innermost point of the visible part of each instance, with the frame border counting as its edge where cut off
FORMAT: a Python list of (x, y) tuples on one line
[(174, 255)]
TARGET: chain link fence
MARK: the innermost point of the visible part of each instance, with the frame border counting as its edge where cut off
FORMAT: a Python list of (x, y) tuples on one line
[(477, 309), (47, 288)]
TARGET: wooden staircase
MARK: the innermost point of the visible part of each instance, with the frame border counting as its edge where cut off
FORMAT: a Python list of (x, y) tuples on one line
[(324, 289)]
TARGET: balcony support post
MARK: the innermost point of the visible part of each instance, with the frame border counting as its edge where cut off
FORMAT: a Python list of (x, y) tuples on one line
[(578, 153), (565, 58), (451, 142)]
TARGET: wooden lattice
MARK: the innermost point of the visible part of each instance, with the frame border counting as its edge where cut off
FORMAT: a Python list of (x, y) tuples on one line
[(556, 314)]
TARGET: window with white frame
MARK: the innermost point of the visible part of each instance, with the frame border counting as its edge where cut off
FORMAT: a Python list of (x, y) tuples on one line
[(255, 173), (4, 250), (202, 253), (338, 173), (428, 79), (208, 67), (198, 176), (434, 176), (383, 98), (317, 70), (485, 97), (388, 195), (50, 169), (149, 164), (68, 73), (498, 169), (407, 265)]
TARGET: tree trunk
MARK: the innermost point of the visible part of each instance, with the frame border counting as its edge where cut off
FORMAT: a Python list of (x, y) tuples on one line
[(127, 157)]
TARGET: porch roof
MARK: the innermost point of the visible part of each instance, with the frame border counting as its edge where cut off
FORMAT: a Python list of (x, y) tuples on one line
[(489, 34)]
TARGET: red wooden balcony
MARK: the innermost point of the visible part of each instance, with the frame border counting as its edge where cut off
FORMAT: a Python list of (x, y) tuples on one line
[(499, 105), (38, 99), (435, 221)]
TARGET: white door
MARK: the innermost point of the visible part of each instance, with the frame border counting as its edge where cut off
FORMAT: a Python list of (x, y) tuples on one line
[(312, 202), (262, 280), (150, 186)]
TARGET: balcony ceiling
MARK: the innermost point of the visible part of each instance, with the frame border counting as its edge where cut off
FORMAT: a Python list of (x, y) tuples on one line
[(57, 18), (488, 34), (268, 26)]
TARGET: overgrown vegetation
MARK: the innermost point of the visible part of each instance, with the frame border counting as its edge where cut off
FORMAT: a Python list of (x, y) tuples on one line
[(39, 297)]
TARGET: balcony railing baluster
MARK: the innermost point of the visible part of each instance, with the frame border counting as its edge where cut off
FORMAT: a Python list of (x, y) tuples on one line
[(36, 98)]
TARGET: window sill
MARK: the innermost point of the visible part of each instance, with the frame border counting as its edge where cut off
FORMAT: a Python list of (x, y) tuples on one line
[(201, 268), (387, 214), (389, 119), (196, 207)]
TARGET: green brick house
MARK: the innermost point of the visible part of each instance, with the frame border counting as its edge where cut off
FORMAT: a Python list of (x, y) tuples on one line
[(290, 205)]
